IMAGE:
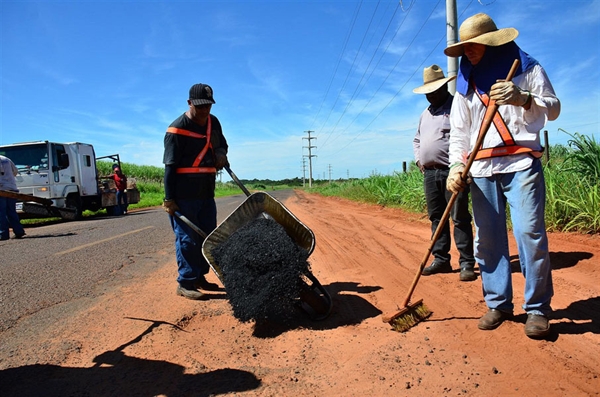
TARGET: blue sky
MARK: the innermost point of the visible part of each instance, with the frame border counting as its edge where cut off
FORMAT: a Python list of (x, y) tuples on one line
[(116, 73)]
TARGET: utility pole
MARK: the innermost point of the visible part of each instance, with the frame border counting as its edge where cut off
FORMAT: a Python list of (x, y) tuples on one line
[(451, 38), (310, 155), (303, 172), (329, 173)]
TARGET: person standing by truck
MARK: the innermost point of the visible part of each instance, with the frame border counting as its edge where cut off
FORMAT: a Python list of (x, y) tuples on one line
[(121, 185), (8, 206), (195, 148)]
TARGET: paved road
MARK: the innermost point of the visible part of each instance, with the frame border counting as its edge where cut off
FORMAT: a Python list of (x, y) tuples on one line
[(67, 263)]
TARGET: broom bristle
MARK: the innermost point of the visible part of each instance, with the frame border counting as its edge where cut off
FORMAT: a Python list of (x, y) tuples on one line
[(410, 317)]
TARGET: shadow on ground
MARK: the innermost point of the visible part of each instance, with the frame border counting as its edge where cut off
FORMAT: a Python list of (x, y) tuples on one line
[(348, 308), (116, 374)]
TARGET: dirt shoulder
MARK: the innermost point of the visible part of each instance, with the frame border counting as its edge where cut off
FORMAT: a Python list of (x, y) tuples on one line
[(141, 339)]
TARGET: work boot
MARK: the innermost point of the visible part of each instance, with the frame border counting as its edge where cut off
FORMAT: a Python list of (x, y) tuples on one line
[(537, 326), (193, 294), (437, 267), (467, 273), (203, 283), (492, 319)]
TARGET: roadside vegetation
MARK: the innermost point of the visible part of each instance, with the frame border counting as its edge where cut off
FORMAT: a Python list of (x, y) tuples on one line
[(572, 186)]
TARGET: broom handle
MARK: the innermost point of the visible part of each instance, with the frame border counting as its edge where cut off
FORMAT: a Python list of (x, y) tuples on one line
[(485, 126)]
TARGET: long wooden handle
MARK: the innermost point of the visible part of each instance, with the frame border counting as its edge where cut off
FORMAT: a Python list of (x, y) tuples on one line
[(485, 126)]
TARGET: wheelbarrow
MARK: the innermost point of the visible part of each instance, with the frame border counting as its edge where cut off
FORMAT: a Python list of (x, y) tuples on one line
[(313, 299)]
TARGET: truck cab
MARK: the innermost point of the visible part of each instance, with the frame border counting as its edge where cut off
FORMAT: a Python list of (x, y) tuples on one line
[(65, 173)]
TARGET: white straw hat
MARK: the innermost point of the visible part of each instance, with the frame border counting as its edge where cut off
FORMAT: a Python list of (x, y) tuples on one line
[(481, 29), (433, 79)]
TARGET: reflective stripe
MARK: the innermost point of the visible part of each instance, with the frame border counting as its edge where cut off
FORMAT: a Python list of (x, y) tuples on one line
[(506, 151), (194, 169), (510, 147), (180, 131), (197, 170)]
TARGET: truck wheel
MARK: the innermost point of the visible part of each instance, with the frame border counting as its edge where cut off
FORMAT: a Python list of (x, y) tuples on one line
[(74, 203)]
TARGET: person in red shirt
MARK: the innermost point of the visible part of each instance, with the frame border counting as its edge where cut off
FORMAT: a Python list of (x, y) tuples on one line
[(121, 185)]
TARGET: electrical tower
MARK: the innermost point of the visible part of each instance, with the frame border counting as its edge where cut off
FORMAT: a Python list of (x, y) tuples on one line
[(310, 155), (303, 172)]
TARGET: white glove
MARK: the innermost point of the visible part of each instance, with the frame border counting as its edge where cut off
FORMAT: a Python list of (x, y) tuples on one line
[(507, 93), (455, 184)]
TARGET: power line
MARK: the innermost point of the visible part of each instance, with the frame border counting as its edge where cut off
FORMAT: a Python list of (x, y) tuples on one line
[(338, 62), (356, 90), (351, 69)]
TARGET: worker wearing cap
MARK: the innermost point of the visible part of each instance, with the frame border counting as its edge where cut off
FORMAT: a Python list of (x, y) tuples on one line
[(507, 171), (430, 147), (195, 148), (8, 210)]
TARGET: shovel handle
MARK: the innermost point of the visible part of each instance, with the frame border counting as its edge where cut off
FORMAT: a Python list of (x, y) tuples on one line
[(237, 181), (185, 220)]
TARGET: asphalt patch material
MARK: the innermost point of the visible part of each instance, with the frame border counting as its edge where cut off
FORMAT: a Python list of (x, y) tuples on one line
[(262, 267)]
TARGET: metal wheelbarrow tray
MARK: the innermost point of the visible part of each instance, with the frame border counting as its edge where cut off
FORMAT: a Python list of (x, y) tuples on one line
[(314, 299)]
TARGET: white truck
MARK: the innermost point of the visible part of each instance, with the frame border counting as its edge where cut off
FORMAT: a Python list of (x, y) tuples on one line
[(62, 179)]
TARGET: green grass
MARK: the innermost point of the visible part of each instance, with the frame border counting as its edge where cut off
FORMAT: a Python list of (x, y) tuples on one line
[(572, 188)]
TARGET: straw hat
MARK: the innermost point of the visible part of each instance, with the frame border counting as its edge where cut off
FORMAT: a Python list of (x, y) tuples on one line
[(433, 79), (481, 29)]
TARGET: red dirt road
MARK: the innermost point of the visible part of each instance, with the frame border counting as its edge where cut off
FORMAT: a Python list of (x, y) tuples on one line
[(150, 342)]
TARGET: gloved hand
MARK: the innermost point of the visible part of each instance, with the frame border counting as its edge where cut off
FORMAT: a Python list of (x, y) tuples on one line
[(455, 183), (170, 206), (507, 93), (221, 161)]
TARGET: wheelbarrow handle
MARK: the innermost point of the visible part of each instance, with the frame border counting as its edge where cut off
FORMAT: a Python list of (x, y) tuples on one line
[(237, 181), (191, 224)]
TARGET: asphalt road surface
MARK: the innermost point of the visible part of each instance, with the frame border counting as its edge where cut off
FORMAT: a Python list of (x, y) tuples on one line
[(59, 267)]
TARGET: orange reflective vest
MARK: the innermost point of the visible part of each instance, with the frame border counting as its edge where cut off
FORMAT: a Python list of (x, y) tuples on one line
[(510, 147), (195, 168)]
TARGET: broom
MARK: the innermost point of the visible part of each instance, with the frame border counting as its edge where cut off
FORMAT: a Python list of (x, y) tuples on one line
[(411, 314)]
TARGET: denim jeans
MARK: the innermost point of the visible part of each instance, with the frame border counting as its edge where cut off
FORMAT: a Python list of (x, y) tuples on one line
[(9, 218), (437, 198), (525, 194), (191, 264), (121, 202)]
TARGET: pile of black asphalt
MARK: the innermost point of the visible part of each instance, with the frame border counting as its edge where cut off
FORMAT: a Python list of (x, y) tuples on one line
[(261, 268)]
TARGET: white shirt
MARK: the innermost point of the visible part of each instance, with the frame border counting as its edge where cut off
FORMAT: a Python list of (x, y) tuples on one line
[(525, 125), (8, 171)]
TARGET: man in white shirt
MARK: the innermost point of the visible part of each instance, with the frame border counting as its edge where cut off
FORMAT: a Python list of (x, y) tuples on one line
[(507, 170), (8, 210)]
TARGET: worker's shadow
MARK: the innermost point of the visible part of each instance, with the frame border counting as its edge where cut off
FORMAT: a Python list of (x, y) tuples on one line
[(581, 317), (559, 260), (116, 374), (578, 318), (347, 308)]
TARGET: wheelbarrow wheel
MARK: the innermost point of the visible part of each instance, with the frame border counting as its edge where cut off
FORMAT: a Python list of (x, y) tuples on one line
[(317, 304)]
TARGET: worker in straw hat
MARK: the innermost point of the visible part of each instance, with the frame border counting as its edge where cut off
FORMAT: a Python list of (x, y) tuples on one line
[(507, 169), (430, 147)]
